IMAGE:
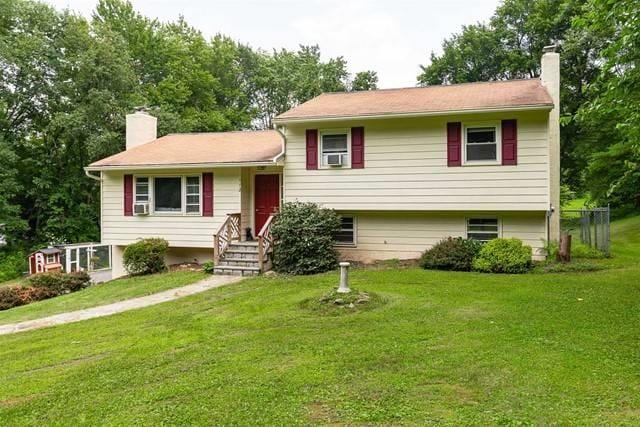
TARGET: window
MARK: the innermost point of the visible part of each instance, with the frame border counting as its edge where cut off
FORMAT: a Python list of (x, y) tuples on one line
[(193, 194), (347, 233), (335, 142), (142, 189), (482, 229), (51, 259), (167, 194), (481, 143)]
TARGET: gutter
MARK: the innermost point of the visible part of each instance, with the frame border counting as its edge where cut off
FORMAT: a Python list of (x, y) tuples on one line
[(536, 107), (87, 172), (181, 165)]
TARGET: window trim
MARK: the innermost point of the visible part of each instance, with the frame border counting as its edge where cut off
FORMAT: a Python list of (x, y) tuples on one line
[(53, 259), (183, 190), (498, 127), (336, 131), (185, 193), (497, 218), (355, 233)]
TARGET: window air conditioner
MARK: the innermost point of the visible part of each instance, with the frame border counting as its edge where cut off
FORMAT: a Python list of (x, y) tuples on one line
[(334, 159), (141, 208)]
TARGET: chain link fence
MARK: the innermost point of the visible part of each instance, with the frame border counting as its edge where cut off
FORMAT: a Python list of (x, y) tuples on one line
[(590, 225)]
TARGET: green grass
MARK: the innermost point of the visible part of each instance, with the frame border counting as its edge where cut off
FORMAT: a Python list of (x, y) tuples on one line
[(445, 348), (99, 294)]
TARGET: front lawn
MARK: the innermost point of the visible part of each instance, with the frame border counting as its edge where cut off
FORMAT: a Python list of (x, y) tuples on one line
[(100, 294), (444, 348)]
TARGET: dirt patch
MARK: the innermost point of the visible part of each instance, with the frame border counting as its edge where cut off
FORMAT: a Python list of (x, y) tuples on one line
[(15, 401), (321, 413)]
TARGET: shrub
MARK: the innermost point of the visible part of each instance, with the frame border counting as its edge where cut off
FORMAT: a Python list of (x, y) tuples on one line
[(503, 256), (208, 267), (580, 250), (304, 242), (60, 283), (29, 294), (146, 256), (10, 297), (451, 254)]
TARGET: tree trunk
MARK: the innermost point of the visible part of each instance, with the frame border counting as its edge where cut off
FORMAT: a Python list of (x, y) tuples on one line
[(564, 252)]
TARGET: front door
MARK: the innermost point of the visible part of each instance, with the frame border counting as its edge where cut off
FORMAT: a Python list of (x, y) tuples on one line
[(267, 198)]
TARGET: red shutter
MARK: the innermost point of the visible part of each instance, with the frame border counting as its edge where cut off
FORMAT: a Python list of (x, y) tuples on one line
[(207, 194), (312, 149), (128, 195), (357, 148), (509, 142), (454, 144)]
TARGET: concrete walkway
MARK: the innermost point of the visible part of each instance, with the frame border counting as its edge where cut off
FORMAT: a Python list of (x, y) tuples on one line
[(120, 306)]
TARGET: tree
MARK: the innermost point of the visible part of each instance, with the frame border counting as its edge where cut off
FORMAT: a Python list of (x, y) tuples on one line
[(365, 80)]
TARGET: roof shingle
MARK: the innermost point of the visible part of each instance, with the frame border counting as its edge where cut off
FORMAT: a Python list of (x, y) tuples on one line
[(200, 148), (423, 100)]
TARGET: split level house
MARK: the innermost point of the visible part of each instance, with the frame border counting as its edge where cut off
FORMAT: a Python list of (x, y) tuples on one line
[(404, 168)]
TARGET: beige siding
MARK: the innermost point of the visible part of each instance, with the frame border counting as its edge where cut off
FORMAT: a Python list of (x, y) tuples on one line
[(406, 169), (405, 235), (179, 230)]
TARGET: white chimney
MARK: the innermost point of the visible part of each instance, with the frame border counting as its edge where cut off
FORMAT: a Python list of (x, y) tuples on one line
[(141, 128), (550, 77)]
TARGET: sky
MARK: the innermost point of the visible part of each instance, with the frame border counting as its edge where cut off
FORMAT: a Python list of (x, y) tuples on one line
[(392, 37)]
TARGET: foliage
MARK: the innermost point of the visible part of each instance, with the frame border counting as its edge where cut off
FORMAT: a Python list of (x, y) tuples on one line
[(146, 256), (12, 264), (575, 266), (580, 250), (60, 283), (451, 254), (335, 304), (208, 267), (503, 256), (10, 297), (365, 80), (304, 243)]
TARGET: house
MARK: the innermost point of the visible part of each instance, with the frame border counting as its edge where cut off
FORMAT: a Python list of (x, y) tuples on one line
[(404, 168), (45, 260)]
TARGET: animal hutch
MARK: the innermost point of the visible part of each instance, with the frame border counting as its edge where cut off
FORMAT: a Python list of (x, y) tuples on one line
[(45, 260)]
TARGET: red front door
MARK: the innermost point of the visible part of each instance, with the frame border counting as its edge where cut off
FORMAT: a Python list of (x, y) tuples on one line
[(267, 198)]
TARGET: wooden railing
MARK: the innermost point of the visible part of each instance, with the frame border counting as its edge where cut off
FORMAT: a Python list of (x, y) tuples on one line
[(228, 232), (265, 242)]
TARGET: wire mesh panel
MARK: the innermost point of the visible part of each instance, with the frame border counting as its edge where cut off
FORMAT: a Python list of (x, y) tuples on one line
[(591, 226)]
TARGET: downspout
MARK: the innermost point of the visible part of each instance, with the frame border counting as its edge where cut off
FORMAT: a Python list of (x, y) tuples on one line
[(284, 139)]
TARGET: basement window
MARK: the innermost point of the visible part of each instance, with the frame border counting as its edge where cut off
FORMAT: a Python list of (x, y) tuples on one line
[(482, 229), (347, 234)]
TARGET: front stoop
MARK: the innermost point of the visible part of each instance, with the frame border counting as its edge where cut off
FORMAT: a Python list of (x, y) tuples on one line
[(240, 259)]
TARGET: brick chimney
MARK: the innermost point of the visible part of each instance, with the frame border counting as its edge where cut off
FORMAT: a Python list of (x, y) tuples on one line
[(550, 77), (141, 128)]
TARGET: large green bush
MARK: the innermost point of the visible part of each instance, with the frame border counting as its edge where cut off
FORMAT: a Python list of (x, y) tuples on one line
[(451, 254), (60, 283), (304, 242), (503, 256), (146, 256)]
